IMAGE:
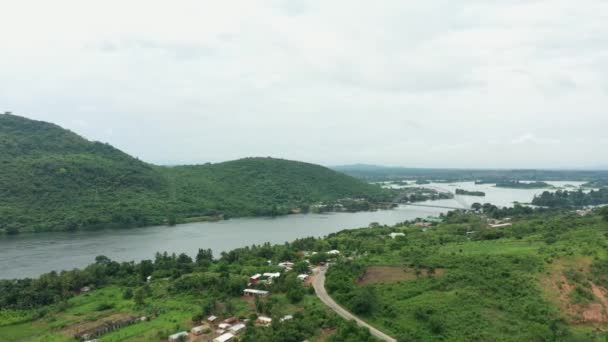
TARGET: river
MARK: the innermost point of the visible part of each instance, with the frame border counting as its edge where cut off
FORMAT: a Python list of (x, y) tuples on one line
[(29, 255)]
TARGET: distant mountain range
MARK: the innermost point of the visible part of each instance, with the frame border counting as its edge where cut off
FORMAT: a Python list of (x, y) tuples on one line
[(52, 179), (378, 172)]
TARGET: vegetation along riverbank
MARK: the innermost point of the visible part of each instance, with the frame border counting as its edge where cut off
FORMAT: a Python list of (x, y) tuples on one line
[(542, 277)]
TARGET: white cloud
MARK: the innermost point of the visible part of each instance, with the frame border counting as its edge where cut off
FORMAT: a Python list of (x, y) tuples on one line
[(426, 83)]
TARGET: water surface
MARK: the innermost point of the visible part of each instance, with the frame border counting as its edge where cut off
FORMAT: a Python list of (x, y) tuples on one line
[(30, 255)]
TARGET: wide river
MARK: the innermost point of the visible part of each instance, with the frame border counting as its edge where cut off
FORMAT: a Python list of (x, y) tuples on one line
[(29, 255)]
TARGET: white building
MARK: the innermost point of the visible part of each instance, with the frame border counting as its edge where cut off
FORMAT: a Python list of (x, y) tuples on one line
[(334, 252), (198, 330), (272, 275), (237, 328), (394, 235), (254, 292), (224, 326), (177, 336), (264, 320), (224, 338), (303, 277)]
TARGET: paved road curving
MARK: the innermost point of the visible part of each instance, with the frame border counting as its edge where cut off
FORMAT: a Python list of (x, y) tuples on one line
[(319, 285)]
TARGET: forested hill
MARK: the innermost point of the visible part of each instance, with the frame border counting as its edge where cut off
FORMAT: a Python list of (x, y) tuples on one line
[(53, 179)]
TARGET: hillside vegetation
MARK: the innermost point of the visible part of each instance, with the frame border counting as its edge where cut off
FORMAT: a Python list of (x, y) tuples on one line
[(52, 179)]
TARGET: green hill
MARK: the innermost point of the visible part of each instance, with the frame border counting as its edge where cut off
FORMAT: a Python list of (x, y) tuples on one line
[(53, 179)]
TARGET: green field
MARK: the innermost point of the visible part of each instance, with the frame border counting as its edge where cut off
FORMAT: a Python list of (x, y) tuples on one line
[(499, 287)]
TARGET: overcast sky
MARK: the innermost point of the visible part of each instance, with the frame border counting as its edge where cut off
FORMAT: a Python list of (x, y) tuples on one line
[(478, 83)]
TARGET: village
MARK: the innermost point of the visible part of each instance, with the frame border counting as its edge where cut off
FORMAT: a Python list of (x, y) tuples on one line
[(214, 328), (218, 327)]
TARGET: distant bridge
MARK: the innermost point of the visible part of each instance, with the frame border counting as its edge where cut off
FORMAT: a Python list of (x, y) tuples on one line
[(434, 206)]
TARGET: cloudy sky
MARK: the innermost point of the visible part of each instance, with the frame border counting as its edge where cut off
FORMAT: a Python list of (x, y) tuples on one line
[(478, 83)]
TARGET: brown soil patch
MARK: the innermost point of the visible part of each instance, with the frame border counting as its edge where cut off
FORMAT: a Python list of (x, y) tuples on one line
[(393, 274), (558, 289)]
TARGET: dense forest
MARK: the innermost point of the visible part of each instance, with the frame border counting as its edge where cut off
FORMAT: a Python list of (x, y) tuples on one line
[(51, 179), (571, 199)]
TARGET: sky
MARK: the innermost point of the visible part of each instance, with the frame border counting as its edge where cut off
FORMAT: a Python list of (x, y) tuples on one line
[(478, 83)]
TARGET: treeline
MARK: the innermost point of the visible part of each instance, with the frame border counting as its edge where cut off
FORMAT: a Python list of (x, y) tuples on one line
[(571, 199), (515, 184), (470, 193), (416, 194)]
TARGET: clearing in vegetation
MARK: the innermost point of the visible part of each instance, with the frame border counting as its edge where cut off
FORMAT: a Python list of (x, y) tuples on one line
[(569, 286), (394, 274)]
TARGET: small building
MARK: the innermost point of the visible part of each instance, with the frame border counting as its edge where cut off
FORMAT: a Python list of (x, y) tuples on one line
[(286, 318), (263, 320), (85, 289), (433, 219), (271, 275), (224, 338), (149, 279), (334, 252), (303, 277), (224, 326), (237, 328), (178, 336), (501, 225), (254, 278), (286, 264), (254, 292), (231, 320), (394, 235), (211, 319), (198, 330)]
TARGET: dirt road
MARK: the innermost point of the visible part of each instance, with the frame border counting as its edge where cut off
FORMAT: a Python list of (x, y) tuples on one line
[(319, 285)]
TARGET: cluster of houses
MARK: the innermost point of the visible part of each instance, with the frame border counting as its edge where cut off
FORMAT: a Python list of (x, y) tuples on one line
[(225, 330), (229, 328), (265, 278), (584, 212)]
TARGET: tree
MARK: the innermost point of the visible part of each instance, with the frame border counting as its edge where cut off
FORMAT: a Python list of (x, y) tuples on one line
[(363, 301), (128, 294), (604, 213), (476, 206), (301, 267), (295, 293), (204, 257), (145, 268), (139, 297)]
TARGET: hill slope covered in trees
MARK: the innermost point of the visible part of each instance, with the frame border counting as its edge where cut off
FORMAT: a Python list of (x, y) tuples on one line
[(53, 179)]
